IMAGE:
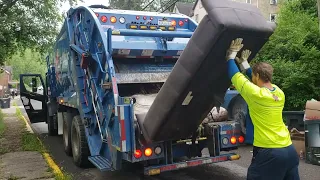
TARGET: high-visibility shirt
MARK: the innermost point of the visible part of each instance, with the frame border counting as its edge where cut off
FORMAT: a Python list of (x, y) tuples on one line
[(265, 109)]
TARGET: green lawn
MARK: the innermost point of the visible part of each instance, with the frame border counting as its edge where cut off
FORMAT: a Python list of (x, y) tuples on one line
[(1, 123)]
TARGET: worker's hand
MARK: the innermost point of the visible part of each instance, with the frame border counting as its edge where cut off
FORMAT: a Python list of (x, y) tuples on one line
[(235, 47), (243, 61)]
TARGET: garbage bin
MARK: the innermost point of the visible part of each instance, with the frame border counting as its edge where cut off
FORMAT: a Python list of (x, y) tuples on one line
[(5, 103), (312, 141)]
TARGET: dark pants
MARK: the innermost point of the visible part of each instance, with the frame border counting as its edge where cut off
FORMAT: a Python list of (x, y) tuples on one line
[(274, 164)]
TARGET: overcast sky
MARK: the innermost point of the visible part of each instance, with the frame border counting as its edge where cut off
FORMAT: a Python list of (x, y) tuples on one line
[(65, 7)]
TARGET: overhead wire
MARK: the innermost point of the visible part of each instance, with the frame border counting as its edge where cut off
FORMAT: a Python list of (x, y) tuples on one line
[(147, 5)]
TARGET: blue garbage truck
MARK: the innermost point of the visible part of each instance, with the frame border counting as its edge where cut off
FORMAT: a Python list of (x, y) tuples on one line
[(134, 87)]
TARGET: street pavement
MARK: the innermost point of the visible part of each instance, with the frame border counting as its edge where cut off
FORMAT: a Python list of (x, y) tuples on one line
[(232, 170)]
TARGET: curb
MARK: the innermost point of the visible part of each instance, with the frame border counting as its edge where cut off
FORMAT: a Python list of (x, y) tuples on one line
[(56, 170)]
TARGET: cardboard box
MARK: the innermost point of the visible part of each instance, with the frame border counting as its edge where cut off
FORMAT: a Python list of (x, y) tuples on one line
[(312, 111)]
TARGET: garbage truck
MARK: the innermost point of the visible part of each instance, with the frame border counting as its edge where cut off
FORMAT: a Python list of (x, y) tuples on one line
[(134, 87)]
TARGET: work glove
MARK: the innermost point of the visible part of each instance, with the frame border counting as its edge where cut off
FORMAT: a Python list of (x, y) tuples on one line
[(234, 48), (243, 60)]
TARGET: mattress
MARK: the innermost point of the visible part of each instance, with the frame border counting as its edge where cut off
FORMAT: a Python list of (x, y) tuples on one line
[(199, 79)]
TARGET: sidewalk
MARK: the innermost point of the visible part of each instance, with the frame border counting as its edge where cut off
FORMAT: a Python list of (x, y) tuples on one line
[(18, 159)]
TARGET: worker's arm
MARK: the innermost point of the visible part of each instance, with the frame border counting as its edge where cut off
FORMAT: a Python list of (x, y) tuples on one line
[(240, 82), (243, 63), (249, 73)]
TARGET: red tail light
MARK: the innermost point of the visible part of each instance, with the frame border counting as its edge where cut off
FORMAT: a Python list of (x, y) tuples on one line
[(137, 17), (241, 139), (137, 154), (181, 23), (104, 19), (233, 140)]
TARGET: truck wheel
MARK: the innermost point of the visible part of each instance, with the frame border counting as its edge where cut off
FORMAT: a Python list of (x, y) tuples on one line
[(67, 122), (52, 125), (80, 149)]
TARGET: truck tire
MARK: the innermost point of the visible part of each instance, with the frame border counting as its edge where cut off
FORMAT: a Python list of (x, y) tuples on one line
[(52, 125), (67, 123), (80, 149)]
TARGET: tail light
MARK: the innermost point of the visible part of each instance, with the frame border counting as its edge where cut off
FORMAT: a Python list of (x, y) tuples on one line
[(173, 23), (113, 19), (157, 150), (97, 14), (104, 19), (233, 140), (137, 17), (148, 152), (241, 139), (144, 18), (137, 154), (181, 23)]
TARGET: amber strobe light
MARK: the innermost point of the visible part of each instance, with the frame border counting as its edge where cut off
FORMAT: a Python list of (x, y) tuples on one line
[(113, 19), (233, 140), (148, 152)]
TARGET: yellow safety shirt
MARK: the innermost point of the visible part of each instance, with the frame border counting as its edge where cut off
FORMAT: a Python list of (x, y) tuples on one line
[(265, 109)]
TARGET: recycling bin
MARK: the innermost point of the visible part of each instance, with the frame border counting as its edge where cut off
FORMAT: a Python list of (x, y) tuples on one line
[(5, 103), (312, 141)]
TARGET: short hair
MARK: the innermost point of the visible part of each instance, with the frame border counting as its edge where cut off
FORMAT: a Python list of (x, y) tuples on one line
[(264, 70)]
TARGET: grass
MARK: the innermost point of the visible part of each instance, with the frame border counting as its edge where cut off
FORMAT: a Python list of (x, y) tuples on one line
[(31, 142), (2, 126)]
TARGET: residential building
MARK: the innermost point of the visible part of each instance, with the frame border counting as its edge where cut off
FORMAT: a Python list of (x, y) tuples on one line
[(268, 8), (183, 8), (5, 78)]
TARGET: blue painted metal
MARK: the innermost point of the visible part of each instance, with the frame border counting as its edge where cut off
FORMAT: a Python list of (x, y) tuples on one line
[(84, 71)]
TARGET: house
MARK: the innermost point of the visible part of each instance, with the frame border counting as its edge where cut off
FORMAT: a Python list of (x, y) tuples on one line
[(268, 8), (5, 78), (183, 8)]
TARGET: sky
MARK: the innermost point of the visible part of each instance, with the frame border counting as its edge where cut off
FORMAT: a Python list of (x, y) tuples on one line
[(65, 6)]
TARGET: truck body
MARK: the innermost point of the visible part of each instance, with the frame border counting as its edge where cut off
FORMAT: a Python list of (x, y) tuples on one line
[(107, 67)]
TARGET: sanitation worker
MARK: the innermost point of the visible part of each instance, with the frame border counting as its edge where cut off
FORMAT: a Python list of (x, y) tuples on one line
[(274, 156)]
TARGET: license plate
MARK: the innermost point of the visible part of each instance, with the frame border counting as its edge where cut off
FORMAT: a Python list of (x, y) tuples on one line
[(164, 23)]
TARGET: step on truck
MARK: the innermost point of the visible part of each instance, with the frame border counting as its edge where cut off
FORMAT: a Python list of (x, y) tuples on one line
[(134, 87)]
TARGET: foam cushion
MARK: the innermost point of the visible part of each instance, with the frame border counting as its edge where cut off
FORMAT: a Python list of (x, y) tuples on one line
[(199, 79)]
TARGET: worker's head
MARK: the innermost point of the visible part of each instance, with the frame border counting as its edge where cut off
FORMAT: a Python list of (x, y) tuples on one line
[(261, 73)]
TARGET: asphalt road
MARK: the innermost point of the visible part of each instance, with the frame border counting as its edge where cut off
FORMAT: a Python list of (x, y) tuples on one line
[(235, 170)]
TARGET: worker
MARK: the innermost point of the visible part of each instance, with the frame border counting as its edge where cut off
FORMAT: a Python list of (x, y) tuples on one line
[(274, 156)]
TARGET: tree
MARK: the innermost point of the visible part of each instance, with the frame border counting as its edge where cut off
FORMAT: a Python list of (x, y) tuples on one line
[(127, 4), (28, 24), (28, 62), (294, 52)]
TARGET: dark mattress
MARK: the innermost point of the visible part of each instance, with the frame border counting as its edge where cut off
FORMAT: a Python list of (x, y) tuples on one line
[(199, 79)]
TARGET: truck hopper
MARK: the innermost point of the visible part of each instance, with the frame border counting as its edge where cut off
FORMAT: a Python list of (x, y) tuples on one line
[(199, 79)]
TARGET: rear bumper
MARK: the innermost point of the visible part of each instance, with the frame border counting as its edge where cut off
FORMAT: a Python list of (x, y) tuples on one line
[(154, 170)]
